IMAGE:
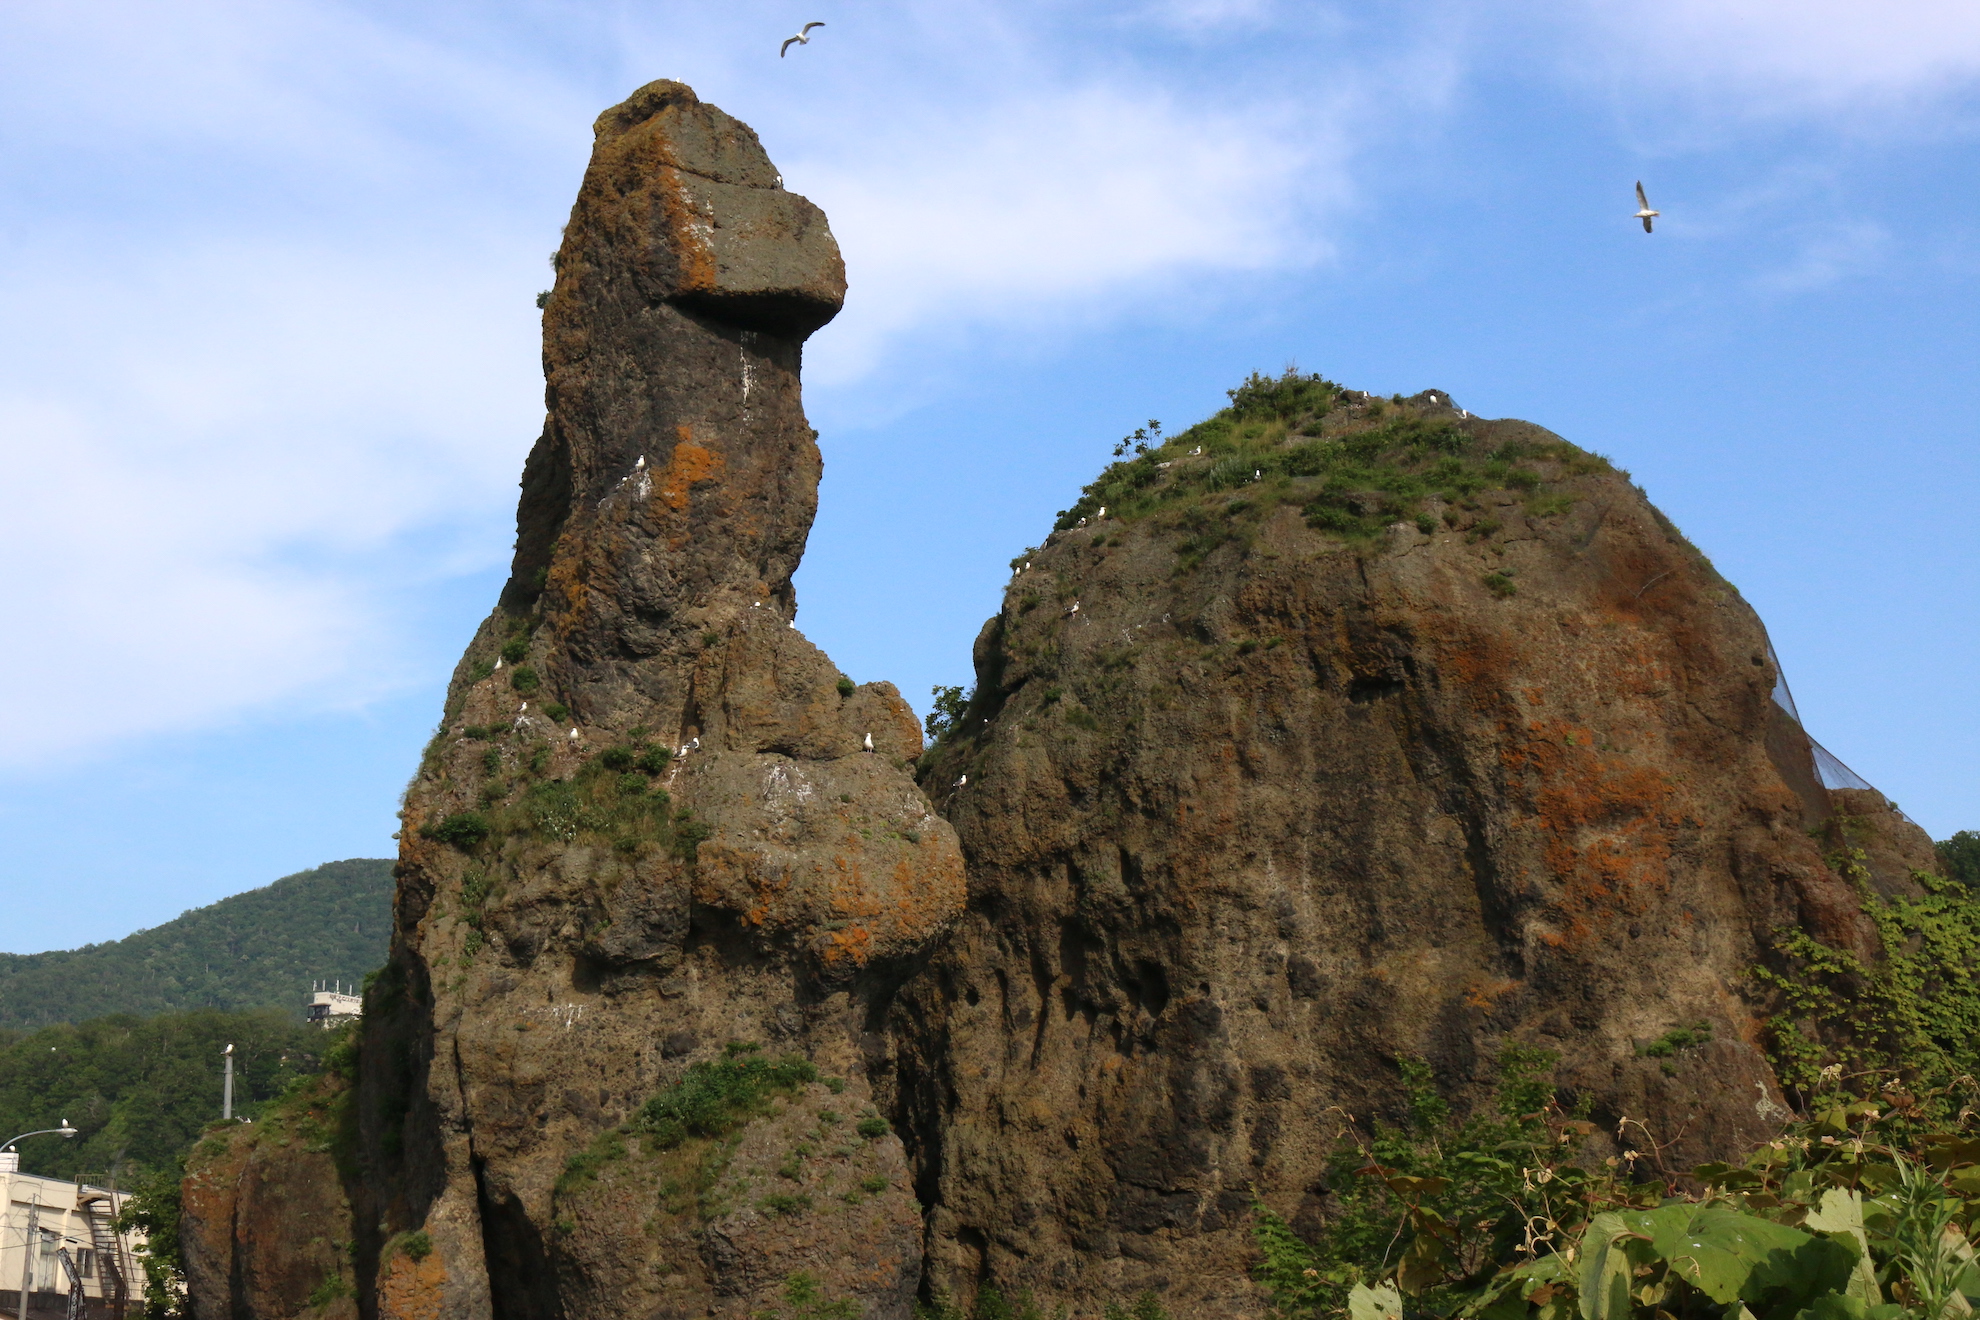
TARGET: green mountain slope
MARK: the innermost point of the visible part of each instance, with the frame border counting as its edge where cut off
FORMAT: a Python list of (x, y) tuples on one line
[(140, 1089), (260, 949)]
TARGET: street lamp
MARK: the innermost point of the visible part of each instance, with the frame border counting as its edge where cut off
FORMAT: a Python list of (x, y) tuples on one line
[(65, 1132)]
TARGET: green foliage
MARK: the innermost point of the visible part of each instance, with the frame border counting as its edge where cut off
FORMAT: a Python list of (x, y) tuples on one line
[(557, 711), (873, 1127), (1677, 1038), (804, 1299), (1959, 857), (598, 803), (990, 1304), (1915, 1013), (155, 1210), (1285, 397), (653, 760), (1500, 584), (514, 650), (525, 680), (416, 1245), (1507, 1219), (783, 1203), (846, 686), (1461, 1186), (463, 830), (718, 1096), (260, 949), (609, 1146), (140, 1090), (334, 1288), (1145, 1307), (1285, 440)]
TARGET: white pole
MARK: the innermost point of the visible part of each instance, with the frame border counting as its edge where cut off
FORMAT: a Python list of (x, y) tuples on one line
[(227, 1089)]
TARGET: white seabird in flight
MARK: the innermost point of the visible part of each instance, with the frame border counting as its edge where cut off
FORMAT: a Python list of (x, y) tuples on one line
[(1643, 211), (803, 38)]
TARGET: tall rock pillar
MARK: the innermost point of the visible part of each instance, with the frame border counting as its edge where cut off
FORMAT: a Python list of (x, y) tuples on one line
[(650, 833)]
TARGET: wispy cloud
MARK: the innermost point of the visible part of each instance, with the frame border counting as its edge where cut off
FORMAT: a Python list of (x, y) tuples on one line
[(1784, 57), (266, 310), (266, 267)]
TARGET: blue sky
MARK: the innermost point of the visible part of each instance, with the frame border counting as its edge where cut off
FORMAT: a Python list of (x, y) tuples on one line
[(268, 348)]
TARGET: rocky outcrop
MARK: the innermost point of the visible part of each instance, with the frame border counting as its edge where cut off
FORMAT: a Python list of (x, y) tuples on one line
[(1349, 732), (266, 1226), (1332, 733), (651, 825)]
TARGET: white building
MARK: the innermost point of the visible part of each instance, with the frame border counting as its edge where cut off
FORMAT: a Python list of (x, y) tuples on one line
[(46, 1217), (331, 1007)]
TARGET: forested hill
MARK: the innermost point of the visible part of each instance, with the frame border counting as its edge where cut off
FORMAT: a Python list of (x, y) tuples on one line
[(260, 949)]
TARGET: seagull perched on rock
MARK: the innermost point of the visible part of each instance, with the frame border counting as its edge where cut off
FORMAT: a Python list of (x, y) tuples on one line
[(867, 746), (803, 38), (1643, 211), (960, 782)]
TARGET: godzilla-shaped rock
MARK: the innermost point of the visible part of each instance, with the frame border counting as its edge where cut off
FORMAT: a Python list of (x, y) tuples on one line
[(646, 852), (1349, 732)]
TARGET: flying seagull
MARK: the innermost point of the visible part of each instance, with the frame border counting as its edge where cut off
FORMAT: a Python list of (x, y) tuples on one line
[(803, 38), (1643, 211)]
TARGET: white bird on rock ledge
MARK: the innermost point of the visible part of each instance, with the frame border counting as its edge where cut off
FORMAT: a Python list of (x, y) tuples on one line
[(960, 782), (803, 38), (868, 744)]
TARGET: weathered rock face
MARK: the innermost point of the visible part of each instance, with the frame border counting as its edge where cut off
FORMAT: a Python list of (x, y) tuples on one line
[(1245, 821), (266, 1222), (1345, 737), (648, 827)]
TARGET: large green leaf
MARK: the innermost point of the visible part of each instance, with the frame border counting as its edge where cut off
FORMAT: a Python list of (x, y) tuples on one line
[(1382, 1302), (1731, 1257), (1835, 1306), (1606, 1268), (1840, 1214)]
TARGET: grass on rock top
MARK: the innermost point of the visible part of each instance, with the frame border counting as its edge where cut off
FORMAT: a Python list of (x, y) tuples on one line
[(612, 798), (1354, 464)]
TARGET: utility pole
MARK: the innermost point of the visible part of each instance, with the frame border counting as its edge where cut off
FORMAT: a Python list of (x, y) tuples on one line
[(227, 1088), (27, 1252)]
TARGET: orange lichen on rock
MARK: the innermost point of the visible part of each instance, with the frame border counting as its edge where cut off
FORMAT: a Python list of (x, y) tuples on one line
[(413, 1289), (690, 463)]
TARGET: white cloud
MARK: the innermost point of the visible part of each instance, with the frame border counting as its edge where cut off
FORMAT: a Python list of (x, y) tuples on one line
[(1087, 195), (1787, 56), (204, 454), (264, 320)]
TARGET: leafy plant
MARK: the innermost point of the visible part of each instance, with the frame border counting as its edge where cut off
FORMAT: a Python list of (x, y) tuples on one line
[(1851, 1215), (946, 711), (873, 1127), (718, 1096), (463, 830), (846, 686), (806, 1300), (525, 680), (1914, 1013)]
